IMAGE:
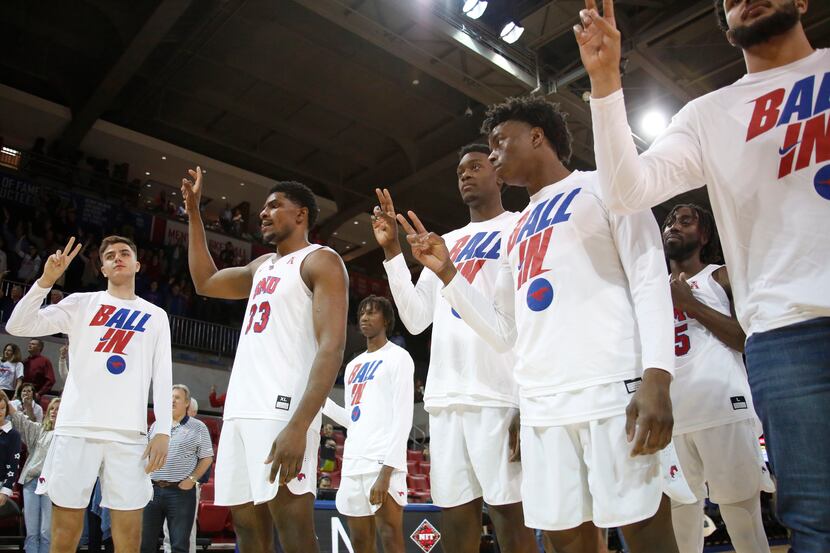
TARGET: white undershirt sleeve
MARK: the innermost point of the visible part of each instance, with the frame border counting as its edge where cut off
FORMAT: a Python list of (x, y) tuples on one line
[(402, 405), (630, 183), (491, 318), (640, 249), (415, 303), (336, 413), (28, 319), (163, 380)]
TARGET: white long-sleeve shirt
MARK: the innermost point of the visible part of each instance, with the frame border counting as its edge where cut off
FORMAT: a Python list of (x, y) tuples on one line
[(378, 413), (463, 368), (582, 298), (118, 347), (762, 147)]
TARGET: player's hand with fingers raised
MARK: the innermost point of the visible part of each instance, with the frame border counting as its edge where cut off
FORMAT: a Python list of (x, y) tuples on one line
[(57, 263), (600, 47), (384, 224), (192, 191), (156, 452), (287, 453), (649, 419), (428, 248)]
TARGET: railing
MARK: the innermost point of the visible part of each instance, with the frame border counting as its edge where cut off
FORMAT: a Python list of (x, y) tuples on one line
[(203, 336), (184, 333)]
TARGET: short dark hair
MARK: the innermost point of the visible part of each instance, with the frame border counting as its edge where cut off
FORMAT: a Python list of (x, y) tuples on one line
[(720, 15), (110, 240), (711, 252), (383, 305), (473, 148), (301, 195), (536, 112), (40, 343)]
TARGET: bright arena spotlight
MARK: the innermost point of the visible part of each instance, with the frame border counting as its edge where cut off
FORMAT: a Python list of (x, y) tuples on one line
[(474, 8), (653, 123)]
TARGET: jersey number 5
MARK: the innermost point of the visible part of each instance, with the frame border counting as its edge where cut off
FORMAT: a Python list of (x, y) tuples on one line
[(681, 340), (264, 310)]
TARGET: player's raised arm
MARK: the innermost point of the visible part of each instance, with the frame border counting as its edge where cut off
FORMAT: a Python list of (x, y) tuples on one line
[(233, 283), (491, 318), (27, 318), (326, 277), (416, 303), (629, 182)]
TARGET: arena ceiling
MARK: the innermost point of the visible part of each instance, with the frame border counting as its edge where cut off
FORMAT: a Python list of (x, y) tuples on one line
[(346, 95)]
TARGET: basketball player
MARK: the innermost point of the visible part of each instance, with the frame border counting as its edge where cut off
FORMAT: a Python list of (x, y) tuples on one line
[(761, 145), (715, 430), (120, 343), (581, 296), (378, 396), (289, 352), (471, 394)]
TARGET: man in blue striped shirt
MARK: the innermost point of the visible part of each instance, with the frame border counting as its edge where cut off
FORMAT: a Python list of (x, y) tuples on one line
[(174, 485)]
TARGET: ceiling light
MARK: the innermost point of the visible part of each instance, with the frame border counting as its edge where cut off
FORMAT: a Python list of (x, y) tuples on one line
[(172, 193), (147, 173), (334, 233), (241, 184), (653, 123), (357, 222), (511, 32), (474, 8), (163, 157), (149, 185), (224, 197), (364, 242), (416, 82)]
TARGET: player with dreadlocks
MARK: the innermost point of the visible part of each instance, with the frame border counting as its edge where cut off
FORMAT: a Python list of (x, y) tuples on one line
[(715, 426)]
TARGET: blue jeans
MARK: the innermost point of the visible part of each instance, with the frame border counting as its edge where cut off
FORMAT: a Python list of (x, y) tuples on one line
[(179, 508), (789, 373), (37, 513)]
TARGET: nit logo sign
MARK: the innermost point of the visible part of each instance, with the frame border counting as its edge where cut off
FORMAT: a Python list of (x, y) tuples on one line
[(426, 536)]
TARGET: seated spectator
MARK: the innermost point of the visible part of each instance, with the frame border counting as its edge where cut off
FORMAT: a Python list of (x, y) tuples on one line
[(216, 401), (26, 404), (324, 489), (10, 444), (176, 303), (11, 370), (328, 449), (37, 509), (154, 295), (38, 370), (190, 454), (226, 256)]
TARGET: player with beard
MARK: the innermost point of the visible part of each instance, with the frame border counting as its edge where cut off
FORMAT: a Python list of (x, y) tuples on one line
[(471, 394), (715, 426), (289, 352), (582, 298), (762, 147)]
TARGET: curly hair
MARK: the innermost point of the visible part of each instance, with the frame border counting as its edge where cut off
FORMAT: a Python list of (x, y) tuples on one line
[(536, 112), (474, 148), (711, 252), (720, 15), (301, 195)]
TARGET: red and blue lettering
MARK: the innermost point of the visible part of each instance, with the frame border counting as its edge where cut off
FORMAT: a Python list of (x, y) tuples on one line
[(122, 324)]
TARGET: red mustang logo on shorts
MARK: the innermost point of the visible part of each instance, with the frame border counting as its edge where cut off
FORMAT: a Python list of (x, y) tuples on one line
[(301, 476), (41, 480), (673, 471)]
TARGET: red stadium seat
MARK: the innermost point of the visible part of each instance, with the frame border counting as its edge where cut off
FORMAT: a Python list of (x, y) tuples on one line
[(425, 466), (339, 437), (413, 455), (412, 467), (213, 518), (207, 492), (417, 482)]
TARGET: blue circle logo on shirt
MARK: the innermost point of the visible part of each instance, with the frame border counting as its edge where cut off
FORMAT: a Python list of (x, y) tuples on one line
[(539, 295), (355, 413), (822, 182), (455, 313), (116, 364)]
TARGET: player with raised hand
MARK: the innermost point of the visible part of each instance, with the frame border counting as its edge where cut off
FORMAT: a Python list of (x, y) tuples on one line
[(760, 145), (471, 395), (582, 298), (120, 343), (289, 352)]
